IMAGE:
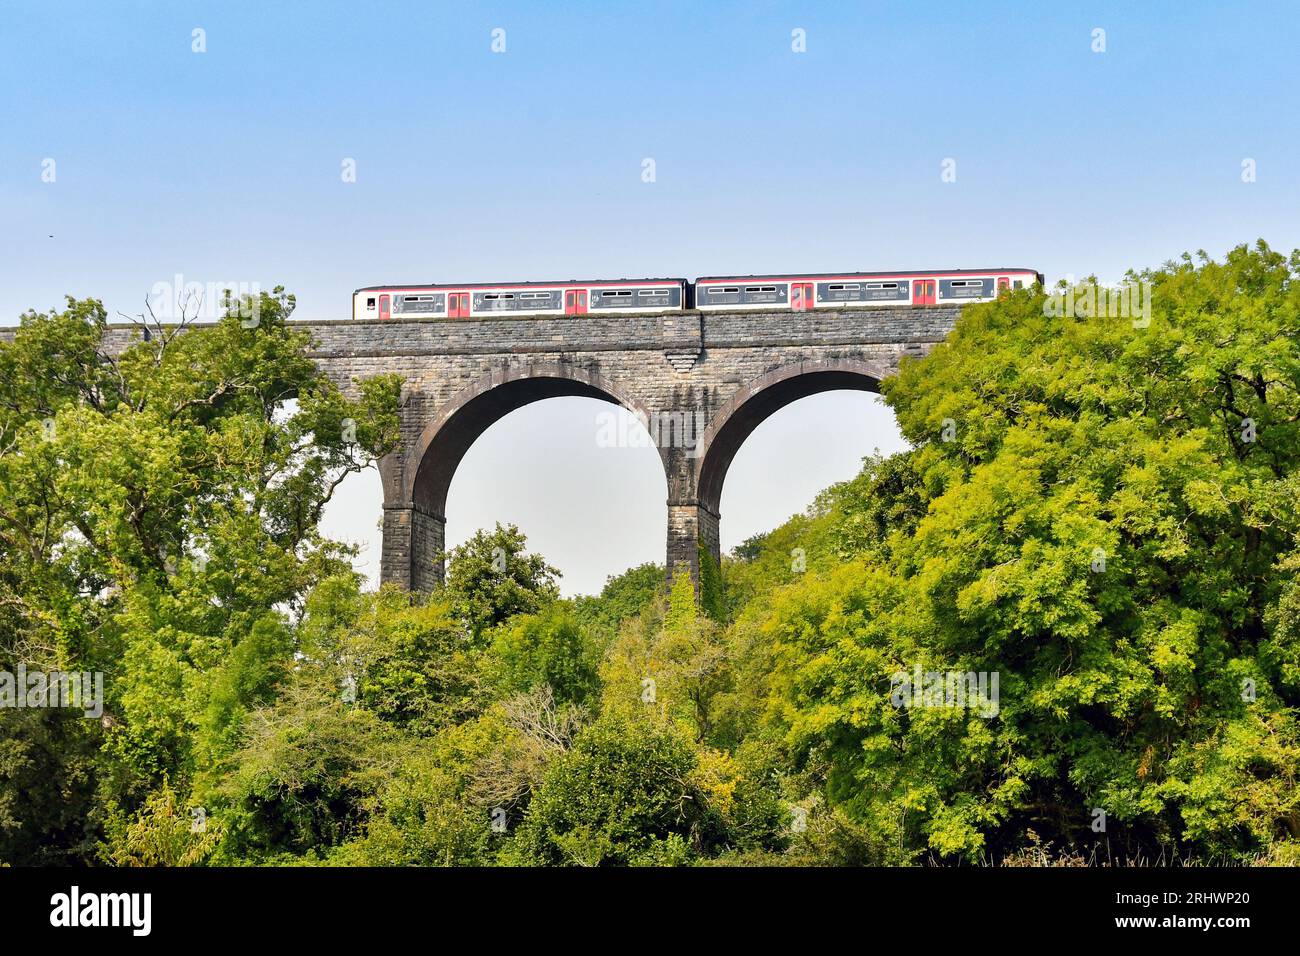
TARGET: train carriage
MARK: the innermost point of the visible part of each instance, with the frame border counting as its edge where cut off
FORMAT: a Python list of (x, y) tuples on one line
[(522, 299), (793, 293), (804, 293)]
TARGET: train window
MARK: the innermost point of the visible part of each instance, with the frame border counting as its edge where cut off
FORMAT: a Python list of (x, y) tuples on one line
[(616, 292), (653, 292), (535, 295), (723, 291), (846, 287), (879, 285), (370, 303), (1017, 284), (498, 295), (760, 288)]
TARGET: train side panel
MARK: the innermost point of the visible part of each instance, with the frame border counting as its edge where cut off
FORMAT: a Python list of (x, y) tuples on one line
[(864, 290), (637, 298), (526, 300), (733, 295)]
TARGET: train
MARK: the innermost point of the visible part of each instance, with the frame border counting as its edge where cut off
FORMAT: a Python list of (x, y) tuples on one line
[(793, 293)]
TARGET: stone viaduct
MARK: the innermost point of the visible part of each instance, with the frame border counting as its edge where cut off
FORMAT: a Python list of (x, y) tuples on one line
[(702, 382)]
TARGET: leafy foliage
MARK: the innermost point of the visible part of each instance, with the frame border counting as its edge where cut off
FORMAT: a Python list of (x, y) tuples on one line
[(621, 795), (158, 526), (490, 578), (549, 649), (1107, 532), (1100, 514)]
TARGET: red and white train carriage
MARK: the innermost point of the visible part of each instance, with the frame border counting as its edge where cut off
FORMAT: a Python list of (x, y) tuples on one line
[(794, 293), (804, 293), (480, 299)]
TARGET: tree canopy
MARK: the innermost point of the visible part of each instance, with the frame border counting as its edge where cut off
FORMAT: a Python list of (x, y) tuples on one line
[(1065, 621)]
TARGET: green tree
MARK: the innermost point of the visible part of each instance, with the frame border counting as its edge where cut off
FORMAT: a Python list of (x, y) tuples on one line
[(48, 778), (624, 596), (164, 833), (1106, 520), (622, 795), (491, 578), (306, 777), (159, 524), (672, 660), (409, 661), (420, 818), (547, 648)]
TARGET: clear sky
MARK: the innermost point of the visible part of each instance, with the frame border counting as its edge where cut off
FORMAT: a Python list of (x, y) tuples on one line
[(225, 166)]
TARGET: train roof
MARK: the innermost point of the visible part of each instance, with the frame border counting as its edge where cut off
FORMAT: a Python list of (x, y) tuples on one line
[(495, 285), (897, 272)]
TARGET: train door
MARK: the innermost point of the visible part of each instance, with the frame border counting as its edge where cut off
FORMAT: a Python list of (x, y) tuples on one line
[(383, 307), (575, 301), (458, 305), (923, 292), (1003, 283), (801, 296)]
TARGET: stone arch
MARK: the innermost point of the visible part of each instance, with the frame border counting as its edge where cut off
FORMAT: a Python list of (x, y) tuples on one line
[(432, 460), (753, 404)]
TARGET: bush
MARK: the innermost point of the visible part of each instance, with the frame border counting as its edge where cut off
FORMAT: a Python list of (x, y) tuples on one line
[(616, 798)]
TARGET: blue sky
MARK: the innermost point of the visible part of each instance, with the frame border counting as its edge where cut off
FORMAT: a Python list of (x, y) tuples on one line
[(224, 166)]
